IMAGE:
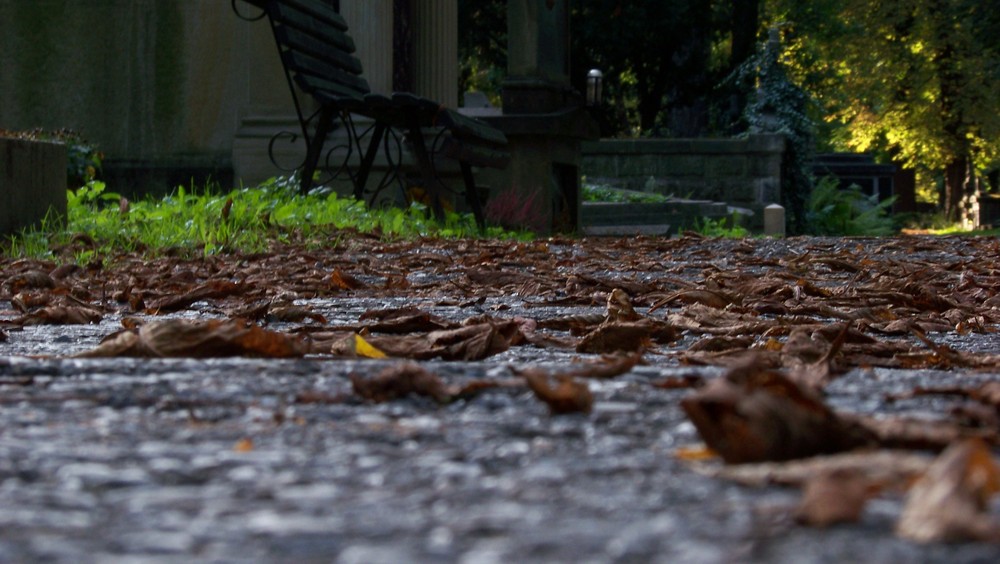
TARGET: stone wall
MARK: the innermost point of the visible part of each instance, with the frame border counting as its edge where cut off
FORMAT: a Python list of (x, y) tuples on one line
[(157, 85), (740, 172)]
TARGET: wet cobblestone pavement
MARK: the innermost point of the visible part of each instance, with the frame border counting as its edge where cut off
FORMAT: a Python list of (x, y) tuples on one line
[(236, 460)]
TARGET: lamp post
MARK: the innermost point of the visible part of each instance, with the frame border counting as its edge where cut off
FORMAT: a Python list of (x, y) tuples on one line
[(595, 86)]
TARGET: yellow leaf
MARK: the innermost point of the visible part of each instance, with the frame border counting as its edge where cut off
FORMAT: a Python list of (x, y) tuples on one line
[(243, 445), (695, 453), (363, 348)]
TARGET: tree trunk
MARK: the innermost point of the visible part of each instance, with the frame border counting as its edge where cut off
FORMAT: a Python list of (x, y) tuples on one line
[(956, 187), (746, 18)]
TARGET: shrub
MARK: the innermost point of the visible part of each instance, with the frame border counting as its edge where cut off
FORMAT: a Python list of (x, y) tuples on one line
[(836, 211)]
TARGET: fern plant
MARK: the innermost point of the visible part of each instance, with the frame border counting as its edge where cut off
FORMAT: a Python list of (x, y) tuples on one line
[(847, 211)]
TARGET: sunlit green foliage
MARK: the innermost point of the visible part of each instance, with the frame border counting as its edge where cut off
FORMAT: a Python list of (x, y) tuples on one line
[(913, 80)]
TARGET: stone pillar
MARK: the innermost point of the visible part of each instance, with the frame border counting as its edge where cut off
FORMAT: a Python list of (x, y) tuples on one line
[(370, 24), (435, 48)]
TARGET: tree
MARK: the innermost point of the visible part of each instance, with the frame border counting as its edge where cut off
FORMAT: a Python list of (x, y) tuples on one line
[(662, 59), (654, 53), (915, 80)]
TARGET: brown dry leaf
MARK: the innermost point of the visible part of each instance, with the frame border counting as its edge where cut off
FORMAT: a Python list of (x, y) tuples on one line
[(404, 320), (187, 338), (399, 381), (293, 314), (213, 289), (567, 396), (833, 497), (620, 307), (31, 280), (626, 336), (472, 342), (498, 278), (710, 298), (27, 301), (901, 432), (721, 344), (892, 470), (753, 414), (949, 503), (60, 315), (609, 366), (340, 280), (681, 382)]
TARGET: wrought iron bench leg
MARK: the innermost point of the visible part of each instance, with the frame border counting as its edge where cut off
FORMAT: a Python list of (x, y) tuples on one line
[(472, 195), (315, 147), (368, 161)]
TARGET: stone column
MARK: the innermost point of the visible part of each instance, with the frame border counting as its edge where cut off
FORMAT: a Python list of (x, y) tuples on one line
[(435, 48), (370, 24)]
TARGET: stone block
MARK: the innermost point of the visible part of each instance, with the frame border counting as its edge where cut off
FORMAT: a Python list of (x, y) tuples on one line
[(32, 183), (725, 166), (680, 165)]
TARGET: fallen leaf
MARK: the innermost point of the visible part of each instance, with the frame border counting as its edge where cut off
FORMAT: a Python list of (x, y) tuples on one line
[(293, 314), (60, 315), (364, 349), (924, 434), (243, 445), (404, 320), (753, 414), (893, 470), (342, 281), (567, 396), (188, 338), (626, 336), (833, 497), (710, 298), (949, 503), (609, 366), (213, 289), (472, 342), (695, 453), (399, 381)]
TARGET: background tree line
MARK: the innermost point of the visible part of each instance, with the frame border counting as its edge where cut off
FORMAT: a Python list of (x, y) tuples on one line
[(916, 82)]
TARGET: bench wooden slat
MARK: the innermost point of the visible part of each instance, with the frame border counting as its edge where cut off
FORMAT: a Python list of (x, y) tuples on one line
[(321, 10), (329, 92), (301, 63), (283, 14), (465, 127), (297, 41)]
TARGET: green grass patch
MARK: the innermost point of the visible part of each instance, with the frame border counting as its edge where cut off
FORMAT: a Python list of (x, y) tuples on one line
[(727, 228), (101, 224)]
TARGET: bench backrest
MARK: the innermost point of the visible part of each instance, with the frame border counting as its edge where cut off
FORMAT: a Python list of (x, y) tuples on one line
[(316, 48)]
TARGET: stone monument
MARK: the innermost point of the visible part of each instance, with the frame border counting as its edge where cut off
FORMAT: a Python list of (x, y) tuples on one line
[(545, 121)]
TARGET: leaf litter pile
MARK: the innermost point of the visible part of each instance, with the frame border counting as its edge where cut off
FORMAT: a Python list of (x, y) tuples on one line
[(781, 319)]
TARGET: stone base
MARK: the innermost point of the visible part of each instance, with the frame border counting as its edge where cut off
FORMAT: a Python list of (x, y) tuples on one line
[(32, 183), (160, 176)]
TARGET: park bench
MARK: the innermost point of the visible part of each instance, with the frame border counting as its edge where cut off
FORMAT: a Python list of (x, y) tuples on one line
[(317, 53)]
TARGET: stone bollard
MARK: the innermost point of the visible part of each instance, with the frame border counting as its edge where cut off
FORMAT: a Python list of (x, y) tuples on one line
[(774, 221)]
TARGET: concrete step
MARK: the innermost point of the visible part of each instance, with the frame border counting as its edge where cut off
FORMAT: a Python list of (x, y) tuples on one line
[(613, 218)]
